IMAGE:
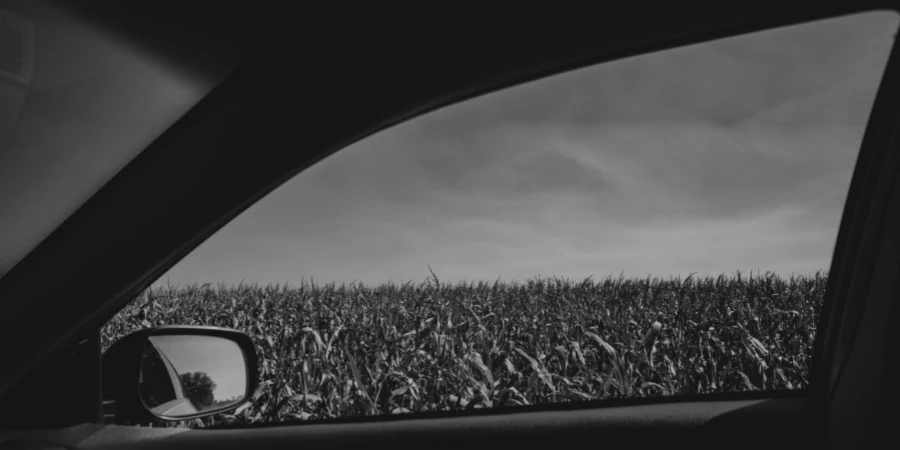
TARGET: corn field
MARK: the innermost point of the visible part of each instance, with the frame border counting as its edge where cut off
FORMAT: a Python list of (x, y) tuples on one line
[(329, 351)]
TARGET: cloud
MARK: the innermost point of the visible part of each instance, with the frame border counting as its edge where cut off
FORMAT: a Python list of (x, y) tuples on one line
[(725, 156)]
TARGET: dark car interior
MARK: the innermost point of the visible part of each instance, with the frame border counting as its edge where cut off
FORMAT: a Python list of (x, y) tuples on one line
[(300, 81)]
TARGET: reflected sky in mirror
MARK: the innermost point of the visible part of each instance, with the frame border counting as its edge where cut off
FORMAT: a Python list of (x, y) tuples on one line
[(220, 358)]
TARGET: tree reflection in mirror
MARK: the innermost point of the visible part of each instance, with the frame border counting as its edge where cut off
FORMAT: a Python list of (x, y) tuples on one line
[(182, 375)]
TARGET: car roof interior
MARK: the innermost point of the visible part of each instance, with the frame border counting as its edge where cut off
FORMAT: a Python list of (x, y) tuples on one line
[(302, 80)]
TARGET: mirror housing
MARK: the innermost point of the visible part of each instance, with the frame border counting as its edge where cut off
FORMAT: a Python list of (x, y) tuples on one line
[(172, 373)]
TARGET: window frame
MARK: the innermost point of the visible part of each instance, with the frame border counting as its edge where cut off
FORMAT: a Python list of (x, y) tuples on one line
[(146, 173)]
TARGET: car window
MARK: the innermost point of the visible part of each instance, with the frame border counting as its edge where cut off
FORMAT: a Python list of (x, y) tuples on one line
[(654, 226)]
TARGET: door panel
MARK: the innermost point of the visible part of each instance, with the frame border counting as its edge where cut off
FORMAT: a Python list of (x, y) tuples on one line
[(772, 424)]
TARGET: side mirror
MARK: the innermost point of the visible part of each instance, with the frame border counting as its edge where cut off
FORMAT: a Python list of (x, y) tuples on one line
[(178, 372)]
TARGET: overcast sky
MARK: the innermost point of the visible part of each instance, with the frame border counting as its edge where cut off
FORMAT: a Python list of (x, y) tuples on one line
[(732, 155)]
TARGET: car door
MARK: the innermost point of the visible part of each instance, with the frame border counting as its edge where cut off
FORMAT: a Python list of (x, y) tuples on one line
[(260, 127)]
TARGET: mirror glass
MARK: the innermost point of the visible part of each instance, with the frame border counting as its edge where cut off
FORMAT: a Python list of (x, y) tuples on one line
[(182, 375)]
